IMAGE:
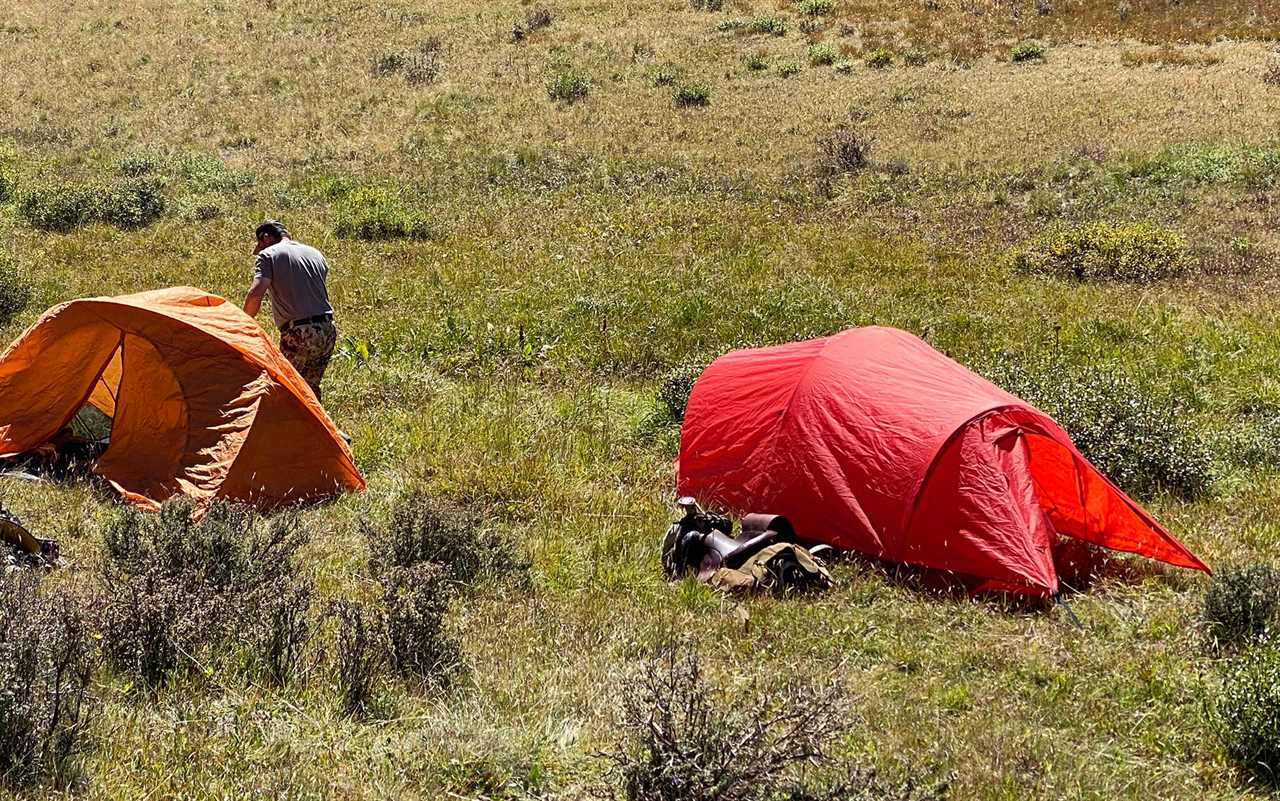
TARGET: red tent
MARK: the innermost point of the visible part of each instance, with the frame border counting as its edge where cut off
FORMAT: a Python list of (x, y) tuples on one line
[(873, 441)]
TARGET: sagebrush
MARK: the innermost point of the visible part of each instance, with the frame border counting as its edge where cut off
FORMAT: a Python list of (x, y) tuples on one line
[(685, 740), (1245, 713), (425, 528), (537, 19), (1242, 604), (15, 292), (179, 589), (47, 657), (359, 656), (676, 386), (282, 630), (416, 607), (843, 150)]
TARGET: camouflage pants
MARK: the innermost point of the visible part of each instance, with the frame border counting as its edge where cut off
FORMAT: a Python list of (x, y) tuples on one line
[(308, 348)]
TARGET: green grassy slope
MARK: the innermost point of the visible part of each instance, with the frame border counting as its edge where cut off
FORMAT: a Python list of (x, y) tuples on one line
[(578, 251)]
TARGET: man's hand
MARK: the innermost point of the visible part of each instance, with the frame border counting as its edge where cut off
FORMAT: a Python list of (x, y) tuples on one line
[(253, 300)]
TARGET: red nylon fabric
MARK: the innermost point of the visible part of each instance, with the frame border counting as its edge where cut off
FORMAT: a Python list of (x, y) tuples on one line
[(873, 441)]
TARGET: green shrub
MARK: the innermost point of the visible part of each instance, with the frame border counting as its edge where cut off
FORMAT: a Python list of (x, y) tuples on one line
[(788, 69), (425, 529), (372, 214), (335, 187), (1027, 51), (767, 24), (208, 173), (8, 179), (844, 66), (15, 293), (568, 86), (47, 657), (1242, 605), (201, 208), (677, 384), (692, 95), (62, 207), (816, 8), (1246, 713), (132, 203), (1255, 440), (756, 62), (1134, 433), (1136, 252), (177, 590), (140, 163), (880, 59), (1210, 164), (58, 207), (823, 54)]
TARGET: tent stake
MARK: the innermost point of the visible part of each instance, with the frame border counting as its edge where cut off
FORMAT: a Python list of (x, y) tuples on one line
[(1057, 599)]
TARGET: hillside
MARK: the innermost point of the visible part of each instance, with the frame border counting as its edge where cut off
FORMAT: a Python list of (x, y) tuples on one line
[(530, 226)]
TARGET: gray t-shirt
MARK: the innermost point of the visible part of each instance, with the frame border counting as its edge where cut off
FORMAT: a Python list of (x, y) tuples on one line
[(297, 273)]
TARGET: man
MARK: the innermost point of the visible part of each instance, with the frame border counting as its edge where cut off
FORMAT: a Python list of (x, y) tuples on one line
[(294, 275)]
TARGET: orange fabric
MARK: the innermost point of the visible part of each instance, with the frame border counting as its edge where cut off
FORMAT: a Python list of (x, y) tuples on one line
[(203, 403)]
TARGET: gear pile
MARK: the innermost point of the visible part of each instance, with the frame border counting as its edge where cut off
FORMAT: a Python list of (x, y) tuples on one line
[(764, 556), (24, 549)]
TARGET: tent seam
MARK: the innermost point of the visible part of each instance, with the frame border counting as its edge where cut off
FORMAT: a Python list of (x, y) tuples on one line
[(94, 383), (933, 462)]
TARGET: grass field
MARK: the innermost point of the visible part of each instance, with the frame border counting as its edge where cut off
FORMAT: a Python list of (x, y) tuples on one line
[(568, 253)]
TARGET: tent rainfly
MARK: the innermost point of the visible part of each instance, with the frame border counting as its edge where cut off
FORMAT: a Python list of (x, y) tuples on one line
[(873, 441), (202, 403)]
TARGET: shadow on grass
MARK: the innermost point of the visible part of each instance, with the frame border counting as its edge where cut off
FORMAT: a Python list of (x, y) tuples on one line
[(1081, 568), (64, 465)]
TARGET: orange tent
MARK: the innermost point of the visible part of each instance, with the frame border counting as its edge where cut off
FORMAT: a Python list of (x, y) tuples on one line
[(202, 402)]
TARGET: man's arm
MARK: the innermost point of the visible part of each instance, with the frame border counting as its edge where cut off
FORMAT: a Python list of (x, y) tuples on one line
[(253, 300)]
